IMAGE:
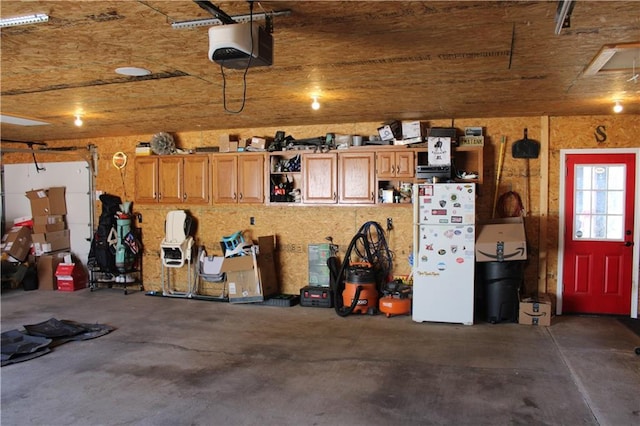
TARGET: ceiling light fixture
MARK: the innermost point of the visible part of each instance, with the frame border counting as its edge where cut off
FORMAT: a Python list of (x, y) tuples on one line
[(24, 20), (133, 71), (315, 104), (78, 121), (20, 121), (617, 108)]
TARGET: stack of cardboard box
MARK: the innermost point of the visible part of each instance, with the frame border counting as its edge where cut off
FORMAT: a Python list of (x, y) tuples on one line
[(43, 237), (51, 238), (48, 208), (252, 278)]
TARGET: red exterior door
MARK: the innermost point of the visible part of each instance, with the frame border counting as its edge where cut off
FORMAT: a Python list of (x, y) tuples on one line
[(598, 247)]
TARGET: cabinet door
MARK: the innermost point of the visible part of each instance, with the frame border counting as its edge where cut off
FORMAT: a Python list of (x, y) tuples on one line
[(385, 164), (170, 179), (146, 180), (251, 178), (356, 178), (225, 170), (196, 179), (320, 178), (405, 164)]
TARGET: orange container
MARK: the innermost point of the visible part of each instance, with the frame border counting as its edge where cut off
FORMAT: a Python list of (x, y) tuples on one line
[(364, 278), (368, 298), (395, 305)]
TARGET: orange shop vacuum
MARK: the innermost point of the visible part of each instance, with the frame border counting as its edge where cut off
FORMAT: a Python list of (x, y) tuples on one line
[(360, 290), (356, 283)]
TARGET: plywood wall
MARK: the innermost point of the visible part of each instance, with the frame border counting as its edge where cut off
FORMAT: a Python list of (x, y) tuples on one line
[(298, 226)]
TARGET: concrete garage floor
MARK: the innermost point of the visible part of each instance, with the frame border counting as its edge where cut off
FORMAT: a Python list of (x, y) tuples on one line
[(191, 362)]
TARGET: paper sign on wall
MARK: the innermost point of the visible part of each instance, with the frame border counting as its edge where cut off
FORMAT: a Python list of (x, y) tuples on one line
[(439, 151)]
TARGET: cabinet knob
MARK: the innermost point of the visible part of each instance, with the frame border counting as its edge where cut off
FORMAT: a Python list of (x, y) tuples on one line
[(241, 195), (393, 168), (335, 196), (372, 196), (184, 197)]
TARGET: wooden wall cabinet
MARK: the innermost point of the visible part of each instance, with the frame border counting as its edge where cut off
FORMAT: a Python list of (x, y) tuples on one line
[(343, 177), (395, 164), (238, 178), (146, 180), (356, 178), (394, 170), (172, 179), (350, 177), (320, 178)]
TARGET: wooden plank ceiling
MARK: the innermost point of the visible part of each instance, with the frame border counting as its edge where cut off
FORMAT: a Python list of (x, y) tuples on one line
[(366, 61)]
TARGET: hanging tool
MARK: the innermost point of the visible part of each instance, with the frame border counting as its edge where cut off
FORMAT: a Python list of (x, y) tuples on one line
[(526, 148), (498, 173)]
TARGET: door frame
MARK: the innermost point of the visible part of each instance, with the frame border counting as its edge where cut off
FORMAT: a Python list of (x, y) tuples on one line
[(635, 272)]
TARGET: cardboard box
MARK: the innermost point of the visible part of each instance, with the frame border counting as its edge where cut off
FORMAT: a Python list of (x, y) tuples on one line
[(415, 130), (252, 278), (47, 201), (51, 241), (70, 277), (23, 221), (390, 131), (267, 265), (228, 143), (243, 282), (46, 266), (259, 143), (143, 148), (536, 311), (49, 223), (501, 240), (17, 242)]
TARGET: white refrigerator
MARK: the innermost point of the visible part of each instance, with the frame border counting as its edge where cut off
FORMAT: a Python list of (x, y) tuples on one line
[(444, 258)]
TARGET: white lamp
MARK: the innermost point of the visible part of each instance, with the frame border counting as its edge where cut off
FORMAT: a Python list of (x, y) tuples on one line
[(617, 108), (315, 104), (78, 121)]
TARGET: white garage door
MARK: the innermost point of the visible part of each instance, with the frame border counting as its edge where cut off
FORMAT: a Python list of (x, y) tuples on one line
[(74, 176)]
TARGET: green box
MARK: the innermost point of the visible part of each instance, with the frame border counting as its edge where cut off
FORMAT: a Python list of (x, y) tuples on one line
[(318, 270)]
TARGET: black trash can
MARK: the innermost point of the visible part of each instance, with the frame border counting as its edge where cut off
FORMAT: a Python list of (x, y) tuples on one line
[(501, 284)]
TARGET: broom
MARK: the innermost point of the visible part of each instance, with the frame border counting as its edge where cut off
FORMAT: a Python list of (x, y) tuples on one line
[(498, 173)]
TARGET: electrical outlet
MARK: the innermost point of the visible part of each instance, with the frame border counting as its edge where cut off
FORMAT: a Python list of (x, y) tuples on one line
[(389, 224), (252, 220)]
